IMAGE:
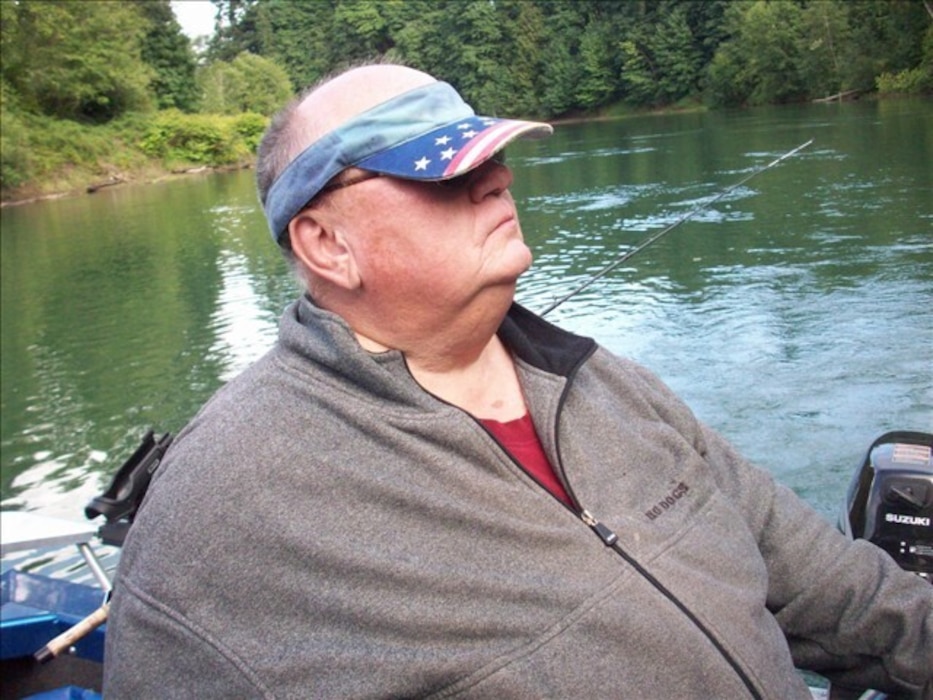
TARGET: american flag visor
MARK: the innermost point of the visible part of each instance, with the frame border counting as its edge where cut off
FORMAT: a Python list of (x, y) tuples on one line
[(428, 133)]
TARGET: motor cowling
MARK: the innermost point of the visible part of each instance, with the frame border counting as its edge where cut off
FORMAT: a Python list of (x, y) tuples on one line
[(890, 500)]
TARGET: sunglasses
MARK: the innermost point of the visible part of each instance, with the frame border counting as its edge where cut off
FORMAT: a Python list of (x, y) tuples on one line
[(454, 183)]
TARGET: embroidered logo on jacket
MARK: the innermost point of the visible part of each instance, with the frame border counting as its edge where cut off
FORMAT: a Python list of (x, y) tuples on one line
[(669, 502)]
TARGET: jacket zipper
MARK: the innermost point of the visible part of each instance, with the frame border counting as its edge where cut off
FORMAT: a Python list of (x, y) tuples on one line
[(610, 539)]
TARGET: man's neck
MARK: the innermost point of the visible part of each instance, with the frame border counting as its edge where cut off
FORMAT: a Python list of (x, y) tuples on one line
[(485, 386), (470, 369), (457, 356)]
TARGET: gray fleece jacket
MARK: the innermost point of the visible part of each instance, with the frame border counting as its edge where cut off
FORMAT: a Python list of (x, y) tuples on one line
[(324, 528)]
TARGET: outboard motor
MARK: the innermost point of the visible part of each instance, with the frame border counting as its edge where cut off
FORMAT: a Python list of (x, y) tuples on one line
[(890, 500)]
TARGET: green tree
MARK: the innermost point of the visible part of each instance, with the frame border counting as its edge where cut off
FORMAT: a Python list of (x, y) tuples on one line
[(474, 67), (761, 62), (298, 36), (235, 30), (917, 80), (707, 25), (15, 152), (637, 74), (827, 42), (248, 83), (76, 60), (887, 37), (419, 41), (553, 57), (771, 32), (678, 58), (562, 73), (167, 50), (525, 55), (662, 61), (599, 63), (363, 26), (333, 33)]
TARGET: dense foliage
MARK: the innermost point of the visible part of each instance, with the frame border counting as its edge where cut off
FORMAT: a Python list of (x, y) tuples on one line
[(96, 86), (553, 57)]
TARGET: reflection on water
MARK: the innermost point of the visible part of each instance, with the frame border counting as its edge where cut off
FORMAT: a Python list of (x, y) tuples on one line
[(793, 313), (242, 328)]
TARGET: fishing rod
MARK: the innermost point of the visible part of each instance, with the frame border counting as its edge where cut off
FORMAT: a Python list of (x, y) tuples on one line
[(686, 217)]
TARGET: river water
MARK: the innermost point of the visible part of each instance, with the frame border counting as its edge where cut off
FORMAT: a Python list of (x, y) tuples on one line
[(794, 315)]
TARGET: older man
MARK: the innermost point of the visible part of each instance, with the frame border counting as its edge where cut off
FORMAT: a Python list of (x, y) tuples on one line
[(424, 490)]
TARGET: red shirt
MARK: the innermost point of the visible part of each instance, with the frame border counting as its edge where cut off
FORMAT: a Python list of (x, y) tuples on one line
[(521, 441)]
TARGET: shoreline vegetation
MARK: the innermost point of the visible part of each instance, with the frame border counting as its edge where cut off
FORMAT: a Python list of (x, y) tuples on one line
[(145, 177), (138, 149), (196, 151), (231, 147), (100, 93)]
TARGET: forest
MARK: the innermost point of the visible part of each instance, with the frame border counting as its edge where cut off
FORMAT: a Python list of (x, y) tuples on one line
[(96, 92)]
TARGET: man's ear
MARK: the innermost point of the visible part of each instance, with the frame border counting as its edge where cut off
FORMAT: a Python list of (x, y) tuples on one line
[(323, 250)]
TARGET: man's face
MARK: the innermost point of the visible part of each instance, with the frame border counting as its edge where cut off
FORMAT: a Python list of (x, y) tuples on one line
[(422, 246)]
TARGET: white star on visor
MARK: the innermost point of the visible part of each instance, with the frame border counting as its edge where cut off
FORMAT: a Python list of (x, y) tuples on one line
[(471, 142)]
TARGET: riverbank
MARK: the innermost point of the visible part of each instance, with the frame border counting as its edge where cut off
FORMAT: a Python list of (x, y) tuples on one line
[(145, 176), (45, 158)]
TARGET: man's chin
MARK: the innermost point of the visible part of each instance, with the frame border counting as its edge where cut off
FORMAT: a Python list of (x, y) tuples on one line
[(519, 254)]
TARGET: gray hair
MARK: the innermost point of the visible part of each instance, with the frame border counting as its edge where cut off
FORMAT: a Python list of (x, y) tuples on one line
[(279, 145), (285, 138)]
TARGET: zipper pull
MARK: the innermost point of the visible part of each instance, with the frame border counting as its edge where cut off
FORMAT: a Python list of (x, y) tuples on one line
[(608, 537)]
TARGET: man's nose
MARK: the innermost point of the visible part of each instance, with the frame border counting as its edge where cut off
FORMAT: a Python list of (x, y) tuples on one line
[(492, 178)]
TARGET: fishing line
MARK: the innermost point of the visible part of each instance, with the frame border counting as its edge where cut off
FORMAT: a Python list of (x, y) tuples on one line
[(686, 217)]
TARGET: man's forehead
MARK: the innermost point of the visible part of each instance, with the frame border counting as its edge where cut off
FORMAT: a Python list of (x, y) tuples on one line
[(354, 92)]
